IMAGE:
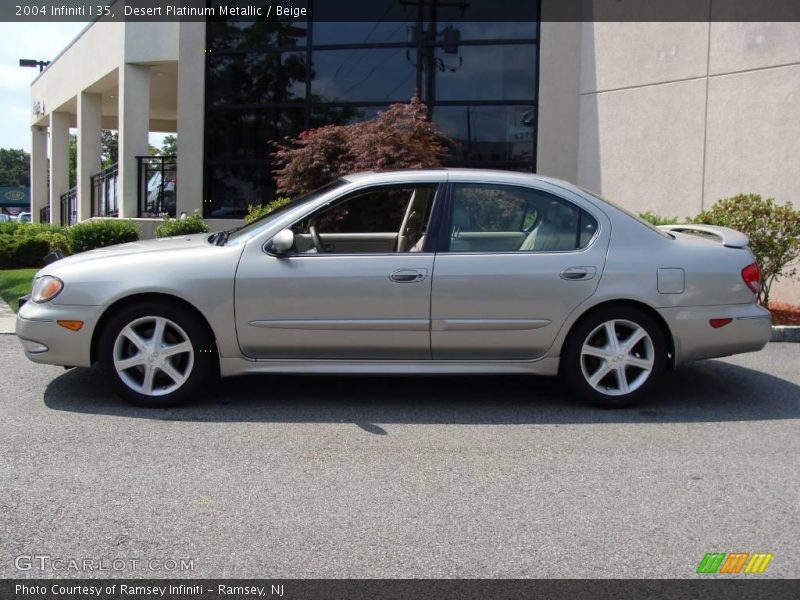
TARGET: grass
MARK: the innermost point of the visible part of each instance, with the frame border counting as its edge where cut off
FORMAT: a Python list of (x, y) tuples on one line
[(15, 283)]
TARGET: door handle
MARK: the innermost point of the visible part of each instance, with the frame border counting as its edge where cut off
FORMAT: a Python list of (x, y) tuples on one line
[(578, 273), (408, 275)]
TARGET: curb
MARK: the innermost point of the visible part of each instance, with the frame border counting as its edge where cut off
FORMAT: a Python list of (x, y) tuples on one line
[(785, 333), (8, 319)]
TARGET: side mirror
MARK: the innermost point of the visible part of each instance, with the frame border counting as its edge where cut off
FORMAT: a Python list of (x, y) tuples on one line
[(283, 241)]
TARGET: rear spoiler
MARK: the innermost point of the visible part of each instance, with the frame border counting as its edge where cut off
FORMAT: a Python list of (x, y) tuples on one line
[(728, 237)]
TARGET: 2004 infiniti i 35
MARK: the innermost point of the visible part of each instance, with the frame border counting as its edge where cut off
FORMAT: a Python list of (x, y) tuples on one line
[(419, 271)]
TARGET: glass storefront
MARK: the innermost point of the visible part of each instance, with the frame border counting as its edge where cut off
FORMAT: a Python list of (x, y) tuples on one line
[(269, 80)]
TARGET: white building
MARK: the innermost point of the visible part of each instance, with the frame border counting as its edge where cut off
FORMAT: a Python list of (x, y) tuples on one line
[(665, 117)]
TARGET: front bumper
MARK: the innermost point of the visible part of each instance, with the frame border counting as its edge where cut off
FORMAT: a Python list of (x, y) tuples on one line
[(45, 341), (749, 330)]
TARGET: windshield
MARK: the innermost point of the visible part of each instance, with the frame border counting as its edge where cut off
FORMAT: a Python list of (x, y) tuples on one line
[(647, 224), (246, 230)]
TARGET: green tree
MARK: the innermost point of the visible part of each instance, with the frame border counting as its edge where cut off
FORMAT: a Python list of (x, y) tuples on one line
[(73, 160), (109, 148), (773, 229), (15, 167), (169, 147)]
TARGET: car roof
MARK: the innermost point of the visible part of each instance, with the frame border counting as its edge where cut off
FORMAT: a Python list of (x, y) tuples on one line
[(441, 175)]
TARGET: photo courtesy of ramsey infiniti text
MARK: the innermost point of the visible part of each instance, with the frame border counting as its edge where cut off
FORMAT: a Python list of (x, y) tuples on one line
[(407, 272)]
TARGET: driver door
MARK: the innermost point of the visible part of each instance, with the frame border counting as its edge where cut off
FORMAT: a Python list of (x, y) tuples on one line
[(360, 290)]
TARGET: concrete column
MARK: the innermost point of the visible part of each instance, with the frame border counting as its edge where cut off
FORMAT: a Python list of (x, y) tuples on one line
[(559, 98), (59, 162), (39, 194), (89, 128), (191, 115), (134, 127)]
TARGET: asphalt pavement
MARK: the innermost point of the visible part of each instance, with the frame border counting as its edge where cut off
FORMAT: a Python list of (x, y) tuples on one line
[(429, 477)]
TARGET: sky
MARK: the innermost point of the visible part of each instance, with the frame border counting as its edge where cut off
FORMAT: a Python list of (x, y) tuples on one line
[(40, 41)]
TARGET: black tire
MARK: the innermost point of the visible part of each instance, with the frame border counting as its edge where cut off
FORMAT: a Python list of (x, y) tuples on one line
[(197, 370), (575, 368)]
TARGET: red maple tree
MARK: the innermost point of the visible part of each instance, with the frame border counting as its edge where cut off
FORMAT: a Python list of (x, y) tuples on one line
[(401, 137)]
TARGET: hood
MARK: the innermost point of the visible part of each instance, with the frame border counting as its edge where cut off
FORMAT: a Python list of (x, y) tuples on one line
[(163, 245)]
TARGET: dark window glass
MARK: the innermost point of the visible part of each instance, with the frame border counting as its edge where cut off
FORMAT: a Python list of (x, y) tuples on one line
[(481, 73), (343, 115), (463, 31), (255, 35), (257, 73), (256, 78), (230, 189), (500, 218), (363, 75), (351, 33), (489, 134), (235, 134)]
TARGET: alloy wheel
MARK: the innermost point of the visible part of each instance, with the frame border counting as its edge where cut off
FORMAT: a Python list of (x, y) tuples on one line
[(153, 356), (617, 357)]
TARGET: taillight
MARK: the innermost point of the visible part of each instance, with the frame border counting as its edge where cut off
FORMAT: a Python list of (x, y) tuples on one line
[(715, 323), (752, 277)]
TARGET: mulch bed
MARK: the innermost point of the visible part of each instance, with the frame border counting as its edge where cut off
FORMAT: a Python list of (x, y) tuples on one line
[(784, 314)]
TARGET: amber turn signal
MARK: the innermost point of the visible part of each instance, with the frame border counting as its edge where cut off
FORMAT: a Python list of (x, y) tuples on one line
[(71, 325)]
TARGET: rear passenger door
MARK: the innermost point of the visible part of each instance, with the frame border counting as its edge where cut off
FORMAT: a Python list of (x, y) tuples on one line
[(513, 263)]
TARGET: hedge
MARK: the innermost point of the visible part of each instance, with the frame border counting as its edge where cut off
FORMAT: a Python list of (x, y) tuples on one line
[(99, 233), (184, 226), (21, 252)]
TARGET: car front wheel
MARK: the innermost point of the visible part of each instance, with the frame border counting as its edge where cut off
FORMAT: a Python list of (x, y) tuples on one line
[(156, 355), (614, 357)]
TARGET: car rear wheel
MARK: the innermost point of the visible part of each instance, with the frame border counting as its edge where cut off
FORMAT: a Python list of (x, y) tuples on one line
[(614, 357), (156, 355)]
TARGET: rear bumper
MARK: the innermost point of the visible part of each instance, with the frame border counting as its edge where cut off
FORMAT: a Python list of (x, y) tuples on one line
[(45, 341), (749, 330)]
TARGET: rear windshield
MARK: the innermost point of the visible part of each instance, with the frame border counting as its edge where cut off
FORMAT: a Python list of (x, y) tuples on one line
[(634, 216)]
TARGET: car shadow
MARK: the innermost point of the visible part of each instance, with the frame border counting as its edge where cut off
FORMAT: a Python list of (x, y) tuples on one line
[(706, 391)]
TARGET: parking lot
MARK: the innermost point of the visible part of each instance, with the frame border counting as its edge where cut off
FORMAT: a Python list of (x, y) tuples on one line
[(403, 477)]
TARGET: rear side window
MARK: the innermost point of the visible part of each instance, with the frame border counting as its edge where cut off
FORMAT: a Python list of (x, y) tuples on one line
[(504, 218)]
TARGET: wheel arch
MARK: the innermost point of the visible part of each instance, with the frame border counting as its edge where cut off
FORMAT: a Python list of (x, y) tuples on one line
[(625, 303), (134, 299)]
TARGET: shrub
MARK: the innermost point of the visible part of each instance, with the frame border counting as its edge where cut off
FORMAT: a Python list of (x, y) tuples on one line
[(256, 211), (657, 220), (400, 137), (34, 229), (183, 226), (55, 240), (99, 233), (9, 227), (773, 229), (29, 229), (22, 252)]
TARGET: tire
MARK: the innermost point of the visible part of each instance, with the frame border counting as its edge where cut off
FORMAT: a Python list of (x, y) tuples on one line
[(180, 368), (592, 367)]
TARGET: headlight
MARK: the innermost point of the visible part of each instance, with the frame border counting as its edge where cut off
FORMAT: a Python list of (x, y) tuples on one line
[(46, 288)]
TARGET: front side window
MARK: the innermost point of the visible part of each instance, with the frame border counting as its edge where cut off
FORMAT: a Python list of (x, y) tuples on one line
[(383, 219), (504, 218)]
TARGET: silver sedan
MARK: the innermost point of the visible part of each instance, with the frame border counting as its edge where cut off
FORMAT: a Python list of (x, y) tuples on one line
[(412, 272)]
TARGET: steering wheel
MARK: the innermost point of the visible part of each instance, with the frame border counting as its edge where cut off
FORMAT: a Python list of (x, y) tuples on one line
[(316, 239)]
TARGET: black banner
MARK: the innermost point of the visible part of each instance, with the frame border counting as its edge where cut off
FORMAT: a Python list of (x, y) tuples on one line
[(397, 589), (400, 10)]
